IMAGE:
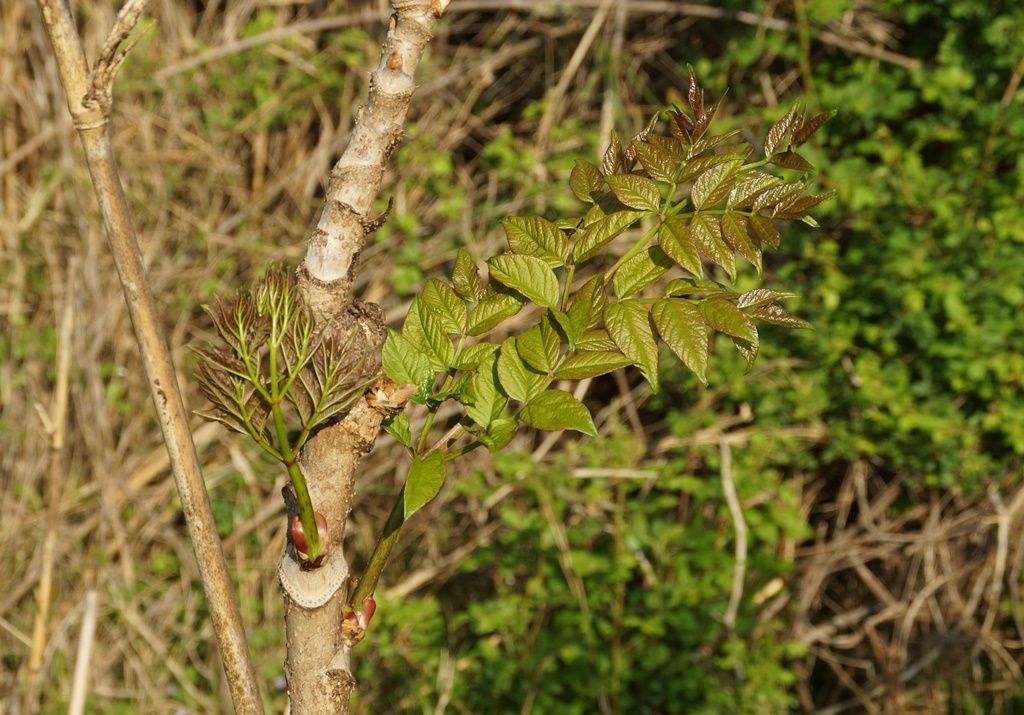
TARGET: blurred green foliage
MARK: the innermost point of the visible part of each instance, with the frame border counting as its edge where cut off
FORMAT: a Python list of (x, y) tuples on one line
[(581, 568)]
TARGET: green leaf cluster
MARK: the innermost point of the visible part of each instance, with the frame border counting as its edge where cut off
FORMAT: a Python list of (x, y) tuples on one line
[(685, 202), (272, 376)]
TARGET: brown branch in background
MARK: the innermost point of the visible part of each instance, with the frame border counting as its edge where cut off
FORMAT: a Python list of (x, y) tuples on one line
[(80, 684), (88, 100), (739, 524), (57, 426)]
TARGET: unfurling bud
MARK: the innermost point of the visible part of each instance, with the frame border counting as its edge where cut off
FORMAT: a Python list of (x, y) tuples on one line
[(355, 623), (302, 547)]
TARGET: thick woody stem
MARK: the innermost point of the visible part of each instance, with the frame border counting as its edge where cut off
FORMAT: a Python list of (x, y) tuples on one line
[(90, 118), (356, 178), (319, 677)]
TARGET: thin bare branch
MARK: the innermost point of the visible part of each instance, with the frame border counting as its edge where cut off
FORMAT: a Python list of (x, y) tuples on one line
[(91, 119), (113, 55), (80, 686), (740, 527)]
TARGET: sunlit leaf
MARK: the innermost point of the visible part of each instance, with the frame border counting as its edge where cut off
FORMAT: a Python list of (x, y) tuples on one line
[(723, 315), (597, 234), (591, 364), (538, 346), (640, 271), (483, 400), (714, 184), (808, 128), (558, 410), (629, 325), (439, 298), (734, 231), (634, 191), (528, 275), (517, 380), (791, 160), (426, 477), (491, 310), (780, 131), (538, 237), (682, 327), (777, 315), (585, 181), (403, 362), (765, 230), (707, 236), (466, 279), (675, 240)]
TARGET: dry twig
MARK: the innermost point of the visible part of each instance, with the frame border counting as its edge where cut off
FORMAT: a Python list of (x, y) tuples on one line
[(88, 99)]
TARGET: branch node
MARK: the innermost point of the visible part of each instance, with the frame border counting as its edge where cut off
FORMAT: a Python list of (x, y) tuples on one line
[(101, 80)]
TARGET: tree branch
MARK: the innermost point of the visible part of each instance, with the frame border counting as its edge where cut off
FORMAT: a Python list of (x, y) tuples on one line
[(89, 103), (356, 177)]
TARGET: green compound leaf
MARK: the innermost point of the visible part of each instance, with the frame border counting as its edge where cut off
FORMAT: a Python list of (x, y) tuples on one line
[(499, 433), (426, 477), (558, 410), (481, 397), (585, 181), (765, 230), (761, 296), (629, 325), (714, 184), (792, 160), (439, 298), (781, 130), (636, 192), (466, 279), (424, 331), (537, 237), (723, 315), (657, 162), (470, 357), (491, 310), (640, 271), (682, 327), (398, 427), (596, 340), (517, 380), (734, 231), (601, 231), (777, 315), (584, 365), (538, 347), (750, 187), (707, 235), (675, 240), (528, 275), (404, 363)]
